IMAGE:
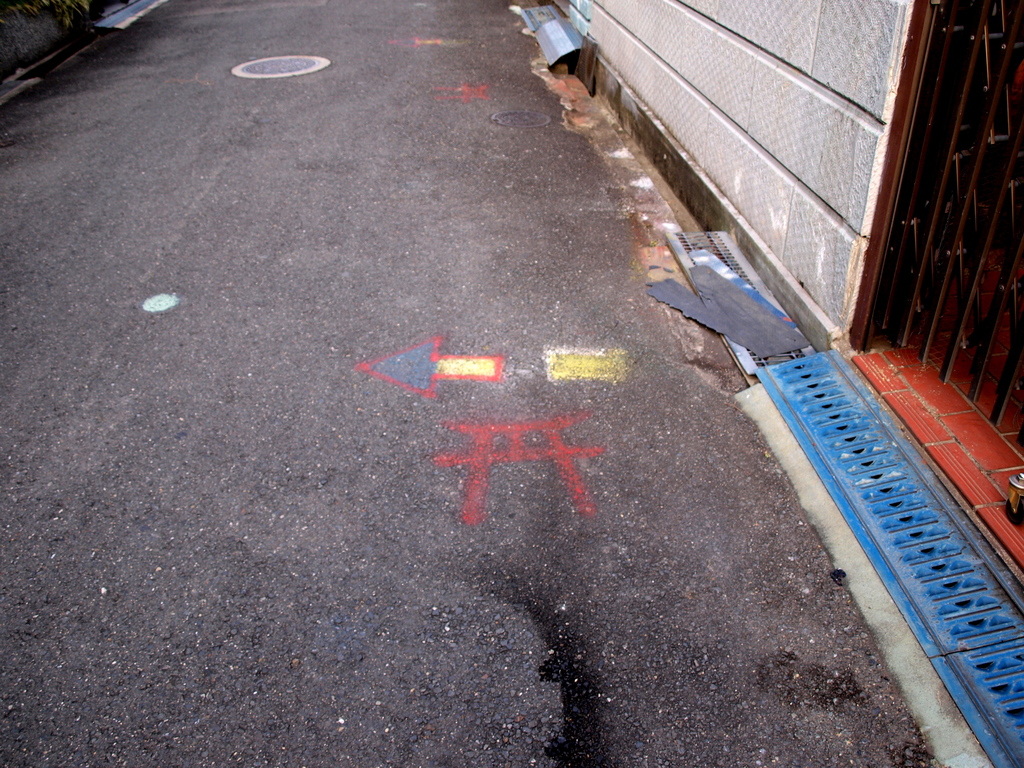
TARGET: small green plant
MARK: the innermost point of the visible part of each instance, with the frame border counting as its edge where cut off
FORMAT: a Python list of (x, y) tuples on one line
[(65, 10)]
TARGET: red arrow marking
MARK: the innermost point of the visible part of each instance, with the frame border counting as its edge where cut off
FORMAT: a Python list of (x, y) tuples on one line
[(419, 368)]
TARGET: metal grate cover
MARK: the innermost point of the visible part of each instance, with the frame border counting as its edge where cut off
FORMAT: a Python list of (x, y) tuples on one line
[(536, 18), (962, 606), (558, 39), (722, 246), (520, 118)]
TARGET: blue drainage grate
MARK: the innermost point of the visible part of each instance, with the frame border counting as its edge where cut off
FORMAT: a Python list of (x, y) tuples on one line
[(962, 606), (992, 679)]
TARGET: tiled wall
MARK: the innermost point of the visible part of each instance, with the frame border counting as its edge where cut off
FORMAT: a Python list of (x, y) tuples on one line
[(781, 102)]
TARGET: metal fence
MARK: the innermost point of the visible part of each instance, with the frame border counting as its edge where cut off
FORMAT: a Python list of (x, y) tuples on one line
[(952, 283)]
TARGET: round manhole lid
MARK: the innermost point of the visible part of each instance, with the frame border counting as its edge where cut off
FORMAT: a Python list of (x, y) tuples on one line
[(280, 66), (520, 118)]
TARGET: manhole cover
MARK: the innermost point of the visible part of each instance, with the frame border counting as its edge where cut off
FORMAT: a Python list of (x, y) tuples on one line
[(280, 66), (519, 118)]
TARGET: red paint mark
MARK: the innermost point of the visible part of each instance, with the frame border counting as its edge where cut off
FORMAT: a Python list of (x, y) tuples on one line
[(465, 92), (526, 441), (416, 42), (418, 368), (418, 375)]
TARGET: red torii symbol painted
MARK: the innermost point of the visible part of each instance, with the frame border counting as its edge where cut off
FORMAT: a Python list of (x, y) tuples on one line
[(524, 441)]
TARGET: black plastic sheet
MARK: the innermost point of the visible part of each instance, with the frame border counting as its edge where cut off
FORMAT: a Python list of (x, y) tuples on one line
[(725, 308)]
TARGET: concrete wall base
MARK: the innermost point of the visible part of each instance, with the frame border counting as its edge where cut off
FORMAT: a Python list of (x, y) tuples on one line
[(25, 38), (700, 195)]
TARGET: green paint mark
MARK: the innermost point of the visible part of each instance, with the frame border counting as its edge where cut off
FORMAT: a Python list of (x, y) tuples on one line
[(161, 302)]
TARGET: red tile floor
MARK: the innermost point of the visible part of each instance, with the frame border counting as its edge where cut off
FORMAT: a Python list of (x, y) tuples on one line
[(977, 457)]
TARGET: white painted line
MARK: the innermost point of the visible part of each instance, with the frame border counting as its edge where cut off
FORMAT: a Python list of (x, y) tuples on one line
[(22, 86)]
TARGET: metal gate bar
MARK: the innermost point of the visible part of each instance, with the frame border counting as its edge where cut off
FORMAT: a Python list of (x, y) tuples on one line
[(952, 270), (998, 305), (921, 133), (968, 298), (947, 171), (993, 103)]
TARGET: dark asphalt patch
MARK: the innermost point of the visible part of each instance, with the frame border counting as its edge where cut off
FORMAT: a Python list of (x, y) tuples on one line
[(803, 684)]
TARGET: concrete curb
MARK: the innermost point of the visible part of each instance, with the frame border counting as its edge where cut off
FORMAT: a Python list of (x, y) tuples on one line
[(17, 87), (26, 38), (950, 738)]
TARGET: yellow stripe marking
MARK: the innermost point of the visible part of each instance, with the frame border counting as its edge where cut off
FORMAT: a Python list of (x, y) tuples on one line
[(575, 364), (464, 367)]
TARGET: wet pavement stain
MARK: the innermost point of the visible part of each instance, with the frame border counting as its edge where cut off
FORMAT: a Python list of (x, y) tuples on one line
[(800, 683), (581, 744)]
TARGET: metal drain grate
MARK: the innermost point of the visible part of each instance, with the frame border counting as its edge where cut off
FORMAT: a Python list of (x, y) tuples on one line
[(963, 607), (536, 18), (520, 118), (722, 246)]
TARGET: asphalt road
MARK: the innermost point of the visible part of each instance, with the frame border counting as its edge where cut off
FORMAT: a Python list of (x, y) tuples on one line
[(226, 542)]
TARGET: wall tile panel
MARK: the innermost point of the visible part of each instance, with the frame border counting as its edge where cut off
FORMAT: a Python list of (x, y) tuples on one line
[(663, 27), (868, 145), (724, 72), (805, 128), (786, 28), (579, 21), (585, 8), (708, 7), (822, 145), (781, 114), (705, 57), (761, 191), (790, 153), (855, 48), (817, 252), (676, 105)]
